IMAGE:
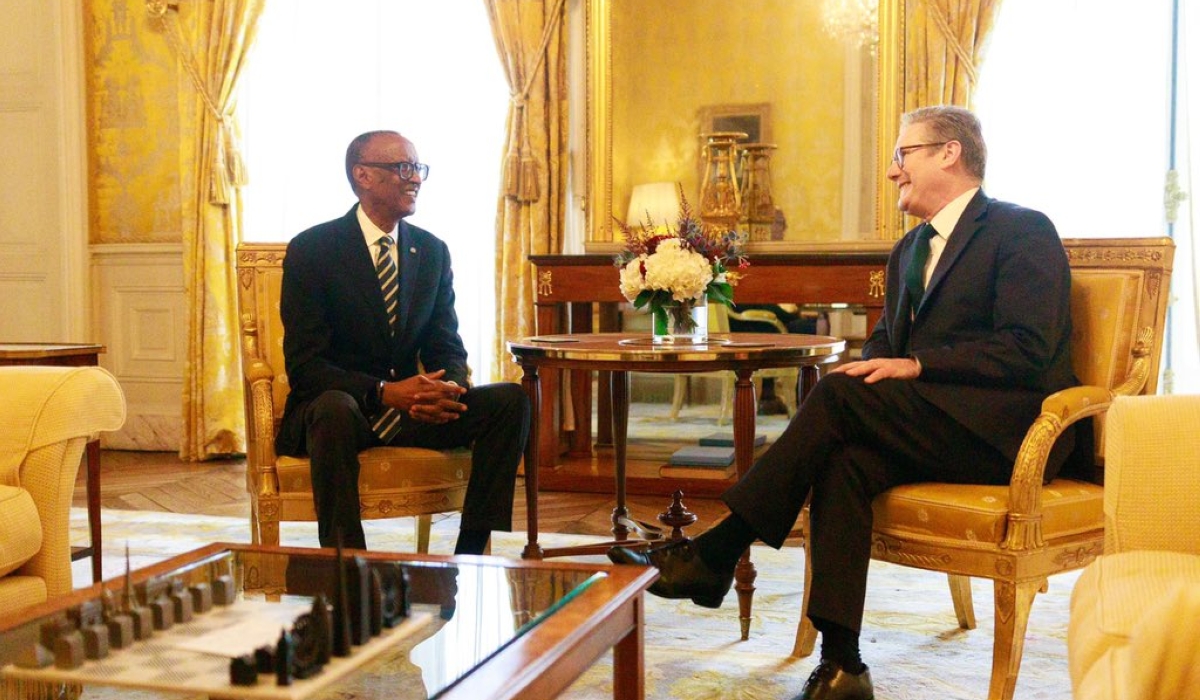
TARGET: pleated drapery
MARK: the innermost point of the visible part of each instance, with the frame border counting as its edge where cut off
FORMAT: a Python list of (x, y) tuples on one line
[(531, 44), (212, 40), (944, 46)]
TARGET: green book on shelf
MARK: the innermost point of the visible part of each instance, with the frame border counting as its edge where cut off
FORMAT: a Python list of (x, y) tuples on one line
[(726, 440), (702, 456)]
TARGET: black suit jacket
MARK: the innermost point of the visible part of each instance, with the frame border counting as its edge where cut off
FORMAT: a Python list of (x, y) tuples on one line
[(335, 325), (992, 332)]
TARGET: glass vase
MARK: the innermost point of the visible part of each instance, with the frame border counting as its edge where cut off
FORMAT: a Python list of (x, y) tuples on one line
[(681, 322)]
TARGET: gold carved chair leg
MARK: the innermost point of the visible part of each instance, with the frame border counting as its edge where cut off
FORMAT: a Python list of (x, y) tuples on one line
[(1013, 603), (806, 634), (960, 593)]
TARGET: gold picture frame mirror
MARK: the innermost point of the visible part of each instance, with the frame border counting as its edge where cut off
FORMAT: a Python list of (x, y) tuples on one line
[(638, 130)]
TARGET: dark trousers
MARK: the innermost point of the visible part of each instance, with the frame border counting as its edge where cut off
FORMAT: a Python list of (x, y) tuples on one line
[(849, 442), (495, 425)]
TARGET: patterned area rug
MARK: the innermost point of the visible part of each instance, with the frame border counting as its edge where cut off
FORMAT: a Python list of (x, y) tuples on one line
[(910, 638)]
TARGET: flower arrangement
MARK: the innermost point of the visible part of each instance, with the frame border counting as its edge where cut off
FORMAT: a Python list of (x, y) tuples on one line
[(673, 268)]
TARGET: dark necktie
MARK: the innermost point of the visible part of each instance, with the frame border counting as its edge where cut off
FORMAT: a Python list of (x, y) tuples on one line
[(389, 279), (914, 276), (387, 423)]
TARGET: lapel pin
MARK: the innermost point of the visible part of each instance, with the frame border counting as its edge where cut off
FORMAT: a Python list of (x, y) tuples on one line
[(413, 251)]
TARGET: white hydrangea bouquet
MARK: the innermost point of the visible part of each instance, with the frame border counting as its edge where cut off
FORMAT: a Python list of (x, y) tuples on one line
[(677, 270)]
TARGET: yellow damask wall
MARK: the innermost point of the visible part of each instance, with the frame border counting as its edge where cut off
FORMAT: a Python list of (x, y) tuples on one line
[(133, 115), (686, 54)]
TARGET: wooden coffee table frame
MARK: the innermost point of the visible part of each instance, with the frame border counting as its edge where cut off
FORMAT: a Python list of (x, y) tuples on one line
[(541, 663)]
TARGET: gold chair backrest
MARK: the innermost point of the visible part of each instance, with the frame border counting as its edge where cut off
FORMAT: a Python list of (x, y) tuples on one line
[(1119, 290)]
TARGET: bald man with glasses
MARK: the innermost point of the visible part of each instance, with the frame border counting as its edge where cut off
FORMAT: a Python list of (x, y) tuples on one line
[(975, 333), (374, 356)]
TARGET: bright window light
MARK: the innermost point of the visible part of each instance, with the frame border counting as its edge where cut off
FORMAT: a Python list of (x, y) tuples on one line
[(322, 73)]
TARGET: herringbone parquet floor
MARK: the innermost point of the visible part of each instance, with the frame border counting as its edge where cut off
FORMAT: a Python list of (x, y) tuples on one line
[(160, 481)]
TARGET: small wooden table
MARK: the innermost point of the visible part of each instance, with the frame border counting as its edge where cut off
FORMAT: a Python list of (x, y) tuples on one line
[(622, 353), (69, 355)]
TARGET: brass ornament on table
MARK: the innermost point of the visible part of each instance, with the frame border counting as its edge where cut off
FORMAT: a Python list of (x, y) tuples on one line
[(720, 190), (758, 206)]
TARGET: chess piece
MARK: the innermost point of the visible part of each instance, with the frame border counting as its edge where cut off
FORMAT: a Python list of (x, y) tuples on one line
[(181, 601), (358, 587), (68, 650), (283, 659), (141, 617), (242, 671), (202, 597), (119, 624), (375, 616), (311, 644), (223, 590), (393, 580), (88, 618), (264, 659)]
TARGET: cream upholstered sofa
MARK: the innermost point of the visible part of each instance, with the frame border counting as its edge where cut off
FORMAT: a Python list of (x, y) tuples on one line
[(1134, 631), (47, 416)]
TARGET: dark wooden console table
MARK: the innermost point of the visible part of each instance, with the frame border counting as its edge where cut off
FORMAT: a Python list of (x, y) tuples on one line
[(571, 289), (69, 355)]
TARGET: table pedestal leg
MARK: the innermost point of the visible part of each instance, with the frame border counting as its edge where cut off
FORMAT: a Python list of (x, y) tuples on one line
[(619, 390), (743, 446), (533, 391)]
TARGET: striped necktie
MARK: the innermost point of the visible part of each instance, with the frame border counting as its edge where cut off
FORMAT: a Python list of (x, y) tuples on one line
[(389, 279), (387, 423)]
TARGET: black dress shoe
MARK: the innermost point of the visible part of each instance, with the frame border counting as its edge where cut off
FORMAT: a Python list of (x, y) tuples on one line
[(829, 681), (681, 572)]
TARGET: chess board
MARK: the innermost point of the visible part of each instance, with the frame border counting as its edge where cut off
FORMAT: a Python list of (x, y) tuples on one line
[(170, 660)]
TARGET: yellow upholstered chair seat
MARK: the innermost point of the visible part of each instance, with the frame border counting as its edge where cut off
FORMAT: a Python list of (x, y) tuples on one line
[(393, 481), (956, 513), (1021, 533)]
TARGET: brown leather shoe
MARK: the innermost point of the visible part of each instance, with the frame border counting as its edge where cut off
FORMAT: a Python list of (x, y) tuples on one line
[(681, 572), (829, 681)]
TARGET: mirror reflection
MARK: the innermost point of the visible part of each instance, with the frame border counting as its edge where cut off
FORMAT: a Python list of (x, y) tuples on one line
[(803, 96)]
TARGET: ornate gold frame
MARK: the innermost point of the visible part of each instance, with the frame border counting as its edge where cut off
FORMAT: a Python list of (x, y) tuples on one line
[(598, 169)]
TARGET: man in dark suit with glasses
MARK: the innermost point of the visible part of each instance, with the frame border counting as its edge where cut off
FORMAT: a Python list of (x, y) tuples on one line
[(374, 356), (975, 334)]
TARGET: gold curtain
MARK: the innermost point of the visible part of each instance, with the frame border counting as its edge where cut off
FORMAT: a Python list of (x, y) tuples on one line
[(944, 46), (212, 40), (529, 216)]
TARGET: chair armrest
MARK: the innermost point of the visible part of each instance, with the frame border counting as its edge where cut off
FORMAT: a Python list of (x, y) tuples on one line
[(760, 316), (260, 378), (1060, 410)]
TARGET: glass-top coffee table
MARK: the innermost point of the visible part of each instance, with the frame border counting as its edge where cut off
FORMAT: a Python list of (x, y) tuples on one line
[(479, 627)]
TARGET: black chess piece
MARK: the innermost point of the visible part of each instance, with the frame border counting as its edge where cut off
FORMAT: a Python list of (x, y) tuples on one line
[(283, 659), (243, 671)]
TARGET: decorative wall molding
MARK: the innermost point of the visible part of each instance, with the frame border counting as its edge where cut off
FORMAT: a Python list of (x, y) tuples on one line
[(140, 310)]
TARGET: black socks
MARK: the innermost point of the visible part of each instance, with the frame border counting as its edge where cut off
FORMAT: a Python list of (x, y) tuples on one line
[(722, 546), (472, 541), (839, 644)]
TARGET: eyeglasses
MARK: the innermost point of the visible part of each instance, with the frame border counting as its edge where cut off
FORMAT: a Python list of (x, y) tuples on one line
[(899, 153), (402, 168)]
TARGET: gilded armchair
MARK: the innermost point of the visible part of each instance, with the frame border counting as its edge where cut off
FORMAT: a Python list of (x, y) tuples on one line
[(1019, 535), (393, 482)]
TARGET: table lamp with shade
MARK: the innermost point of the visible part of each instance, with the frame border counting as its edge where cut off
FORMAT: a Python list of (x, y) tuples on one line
[(655, 203)]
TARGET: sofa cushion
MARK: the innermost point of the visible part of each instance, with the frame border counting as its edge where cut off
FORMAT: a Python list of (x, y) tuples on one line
[(980, 513), (1114, 596), (20, 528), (387, 468)]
